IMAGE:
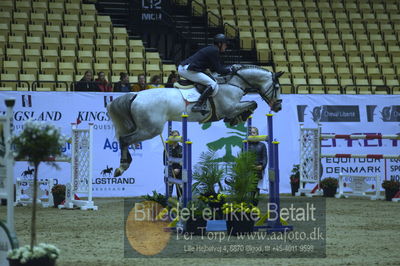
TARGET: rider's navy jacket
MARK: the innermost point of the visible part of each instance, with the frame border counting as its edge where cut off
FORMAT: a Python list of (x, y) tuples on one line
[(207, 57)]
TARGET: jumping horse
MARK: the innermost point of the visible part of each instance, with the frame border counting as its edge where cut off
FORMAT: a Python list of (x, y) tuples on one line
[(142, 115)]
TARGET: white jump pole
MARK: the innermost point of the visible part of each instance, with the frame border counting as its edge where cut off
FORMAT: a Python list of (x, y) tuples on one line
[(7, 173), (310, 154)]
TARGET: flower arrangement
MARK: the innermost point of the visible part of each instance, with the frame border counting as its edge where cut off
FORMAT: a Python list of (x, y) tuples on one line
[(391, 185), (36, 143), (41, 252), (58, 189), (242, 181), (197, 207), (218, 198), (157, 197), (295, 176), (248, 208), (329, 182), (391, 188), (207, 174)]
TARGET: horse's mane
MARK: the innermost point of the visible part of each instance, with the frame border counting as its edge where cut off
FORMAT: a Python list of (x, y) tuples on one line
[(254, 67), (226, 78)]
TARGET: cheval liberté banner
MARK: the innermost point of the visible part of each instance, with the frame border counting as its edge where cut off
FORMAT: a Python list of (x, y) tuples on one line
[(339, 114)]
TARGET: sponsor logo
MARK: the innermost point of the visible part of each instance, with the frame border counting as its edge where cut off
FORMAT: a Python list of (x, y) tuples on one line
[(300, 112), (114, 146), (2, 142), (114, 181), (39, 116), (28, 173), (100, 119), (336, 113), (330, 113), (388, 113), (26, 100), (107, 100), (107, 171), (107, 179), (370, 112), (391, 113)]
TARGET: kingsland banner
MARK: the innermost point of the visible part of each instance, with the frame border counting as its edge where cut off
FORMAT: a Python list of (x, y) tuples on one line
[(337, 114)]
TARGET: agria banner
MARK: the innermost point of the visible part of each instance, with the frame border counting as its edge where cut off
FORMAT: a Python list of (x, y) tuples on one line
[(338, 114)]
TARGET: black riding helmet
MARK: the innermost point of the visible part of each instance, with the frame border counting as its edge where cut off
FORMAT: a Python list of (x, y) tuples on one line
[(220, 38)]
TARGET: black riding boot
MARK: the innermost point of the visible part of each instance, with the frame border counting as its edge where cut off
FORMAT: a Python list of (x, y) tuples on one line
[(201, 105)]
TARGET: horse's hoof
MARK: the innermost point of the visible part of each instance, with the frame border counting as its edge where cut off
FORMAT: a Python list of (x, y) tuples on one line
[(118, 172)]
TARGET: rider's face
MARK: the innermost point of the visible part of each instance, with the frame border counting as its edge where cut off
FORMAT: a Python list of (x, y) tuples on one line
[(253, 131), (223, 47)]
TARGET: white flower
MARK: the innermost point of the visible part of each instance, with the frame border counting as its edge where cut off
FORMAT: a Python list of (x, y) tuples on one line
[(24, 254)]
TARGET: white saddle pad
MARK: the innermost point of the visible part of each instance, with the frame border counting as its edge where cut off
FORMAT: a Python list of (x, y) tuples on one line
[(190, 95)]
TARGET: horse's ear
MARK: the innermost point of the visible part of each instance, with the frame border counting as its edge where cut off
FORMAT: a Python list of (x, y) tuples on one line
[(280, 73)]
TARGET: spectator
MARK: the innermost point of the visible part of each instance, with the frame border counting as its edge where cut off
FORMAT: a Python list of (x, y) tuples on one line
[(155, 82), (102, 83), (176, 169), (86, 83), (123, 84), (260, 150), (172, 78), (141, 85)]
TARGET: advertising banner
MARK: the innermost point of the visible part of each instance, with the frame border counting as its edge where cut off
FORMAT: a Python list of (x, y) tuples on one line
[(337, 114)]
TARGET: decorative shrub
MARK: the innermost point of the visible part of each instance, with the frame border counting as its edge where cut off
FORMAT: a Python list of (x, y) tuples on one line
[(391, 185), (329, 182), (58, 189)]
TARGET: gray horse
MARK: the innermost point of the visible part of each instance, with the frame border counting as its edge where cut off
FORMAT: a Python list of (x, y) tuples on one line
[(141, 116)]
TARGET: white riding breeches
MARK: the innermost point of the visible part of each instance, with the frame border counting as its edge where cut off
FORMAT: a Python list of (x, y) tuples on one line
[(197, 77)]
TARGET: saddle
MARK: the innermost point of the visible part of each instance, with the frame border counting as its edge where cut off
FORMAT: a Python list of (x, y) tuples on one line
[(188, 84)]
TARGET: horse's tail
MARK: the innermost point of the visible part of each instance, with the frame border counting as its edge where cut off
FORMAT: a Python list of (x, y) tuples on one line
[(120, 114)]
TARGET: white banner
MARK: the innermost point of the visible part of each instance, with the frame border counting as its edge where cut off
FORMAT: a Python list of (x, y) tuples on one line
[(339, 114)]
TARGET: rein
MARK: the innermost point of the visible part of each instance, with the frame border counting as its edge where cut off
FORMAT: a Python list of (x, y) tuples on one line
[(275, 86)]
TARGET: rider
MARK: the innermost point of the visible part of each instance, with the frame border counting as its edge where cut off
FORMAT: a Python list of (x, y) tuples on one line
[(193, 67)]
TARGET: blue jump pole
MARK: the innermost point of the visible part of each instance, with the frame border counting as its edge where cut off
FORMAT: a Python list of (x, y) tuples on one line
[(189, 170), (274, 223), (168, 168), (271, 161), (185, 161), (245, 142)]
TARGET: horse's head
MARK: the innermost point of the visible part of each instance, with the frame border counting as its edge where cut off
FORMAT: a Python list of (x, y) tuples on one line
[(271, 92), (264, 82)]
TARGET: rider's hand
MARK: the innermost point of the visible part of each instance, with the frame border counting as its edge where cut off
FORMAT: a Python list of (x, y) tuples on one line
[(234, 69)]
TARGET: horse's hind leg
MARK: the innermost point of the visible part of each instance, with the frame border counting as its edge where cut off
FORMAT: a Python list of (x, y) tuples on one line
[(126, 158), (124, 142)]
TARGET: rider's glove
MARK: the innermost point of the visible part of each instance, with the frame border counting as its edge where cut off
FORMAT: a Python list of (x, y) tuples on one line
[(234, 69)]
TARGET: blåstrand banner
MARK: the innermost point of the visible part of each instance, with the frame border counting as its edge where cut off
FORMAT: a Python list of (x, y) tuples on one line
[(338, 114)]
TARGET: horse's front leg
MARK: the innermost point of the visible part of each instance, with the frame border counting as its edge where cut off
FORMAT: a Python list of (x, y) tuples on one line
[(240, 112)]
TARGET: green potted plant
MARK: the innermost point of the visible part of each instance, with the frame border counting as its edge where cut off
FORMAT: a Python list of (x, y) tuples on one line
[(37, 142), (391, 187), (195, 221), (241, 185), (207, 177), (58, 192), (295, 179), (329, 185), (157, 197)]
